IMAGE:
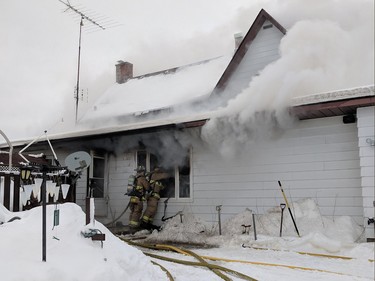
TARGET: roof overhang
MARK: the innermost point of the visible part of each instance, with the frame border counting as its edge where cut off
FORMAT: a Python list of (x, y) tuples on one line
[(344, 102), (328, 104), (126, 129)]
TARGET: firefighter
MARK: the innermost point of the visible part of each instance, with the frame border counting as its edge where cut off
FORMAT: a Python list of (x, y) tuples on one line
[(137, 197), (157, 179)]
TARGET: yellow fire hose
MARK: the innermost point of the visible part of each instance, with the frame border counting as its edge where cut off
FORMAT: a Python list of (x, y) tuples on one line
[(169, 275), (201, 263), (309, 254), (186, 252), (190, 253), (208, 265), (274, 264)]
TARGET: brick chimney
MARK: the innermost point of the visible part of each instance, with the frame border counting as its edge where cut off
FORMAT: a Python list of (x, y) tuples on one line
[(237, 40), (124, 71)]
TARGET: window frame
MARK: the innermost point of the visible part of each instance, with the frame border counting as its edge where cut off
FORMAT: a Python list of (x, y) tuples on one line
[(103, 156), (176, 175)]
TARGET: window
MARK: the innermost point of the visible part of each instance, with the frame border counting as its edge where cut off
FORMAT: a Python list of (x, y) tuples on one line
[(178, 184), (97, 176), (184, 179)]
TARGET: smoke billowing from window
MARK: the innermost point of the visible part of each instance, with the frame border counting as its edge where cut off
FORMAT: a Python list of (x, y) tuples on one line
[(170, 147)]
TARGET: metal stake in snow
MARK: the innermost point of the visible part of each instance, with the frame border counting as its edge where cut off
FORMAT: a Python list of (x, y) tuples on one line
[(290, 212), (218, 209), (255, 230), (282, 206)]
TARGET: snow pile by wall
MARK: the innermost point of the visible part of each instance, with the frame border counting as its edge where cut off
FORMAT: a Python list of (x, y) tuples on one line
[(191, 230), (308, 220), (317, 232), (239, 224), (70, 256)]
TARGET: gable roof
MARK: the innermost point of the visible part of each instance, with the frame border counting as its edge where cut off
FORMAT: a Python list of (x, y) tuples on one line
[(261, 18), (138, 96), (157, 92)]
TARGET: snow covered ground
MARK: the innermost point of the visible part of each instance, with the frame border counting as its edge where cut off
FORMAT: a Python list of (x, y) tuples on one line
[(70, 256)]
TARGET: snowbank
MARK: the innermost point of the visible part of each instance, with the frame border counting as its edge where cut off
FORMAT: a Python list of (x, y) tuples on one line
[(70, 256), (318, 234)]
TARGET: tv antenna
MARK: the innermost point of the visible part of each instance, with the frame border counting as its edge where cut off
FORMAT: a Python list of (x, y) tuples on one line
[(96, 24)]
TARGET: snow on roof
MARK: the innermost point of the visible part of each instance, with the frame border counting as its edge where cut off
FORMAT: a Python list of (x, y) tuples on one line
[(164, 90), (194, 116), (335, 95), (126, 127)]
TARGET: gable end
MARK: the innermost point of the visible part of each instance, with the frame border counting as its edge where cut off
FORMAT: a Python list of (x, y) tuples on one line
[(257, 25)]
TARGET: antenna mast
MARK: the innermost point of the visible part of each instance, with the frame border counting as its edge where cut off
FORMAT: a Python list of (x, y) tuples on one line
[(83, 16)]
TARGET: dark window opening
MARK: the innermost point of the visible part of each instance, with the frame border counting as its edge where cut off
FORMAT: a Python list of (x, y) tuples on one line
[(184, 180), (142, 158), (178, 183), (153, 162)]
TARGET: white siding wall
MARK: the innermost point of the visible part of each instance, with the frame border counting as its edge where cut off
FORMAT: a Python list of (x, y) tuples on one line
[(317, 159), (263, 50), (366, 151), (81, 185), (114, 202), (119, 170)]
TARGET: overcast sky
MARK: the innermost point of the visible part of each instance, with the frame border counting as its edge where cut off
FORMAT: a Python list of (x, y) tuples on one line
[(39, 50), (39, 46)]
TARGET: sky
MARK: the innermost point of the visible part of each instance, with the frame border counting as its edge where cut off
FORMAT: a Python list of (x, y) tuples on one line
[(328, 41), (70, 256), (39, 47)]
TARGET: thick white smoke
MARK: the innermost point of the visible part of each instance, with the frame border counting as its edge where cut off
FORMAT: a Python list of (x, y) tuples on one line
[(331, 50)]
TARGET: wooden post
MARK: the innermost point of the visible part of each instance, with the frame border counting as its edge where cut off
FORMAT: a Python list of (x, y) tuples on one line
[(7, 192), (44, 217), (88, 210), (16, 193)]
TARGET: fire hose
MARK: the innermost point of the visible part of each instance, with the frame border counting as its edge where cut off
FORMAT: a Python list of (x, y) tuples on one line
[(165, 209), (116, 219), (169, 275), (212, 266), (201, 262)]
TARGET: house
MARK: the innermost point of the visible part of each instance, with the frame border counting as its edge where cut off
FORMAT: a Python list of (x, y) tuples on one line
[(326, 154)]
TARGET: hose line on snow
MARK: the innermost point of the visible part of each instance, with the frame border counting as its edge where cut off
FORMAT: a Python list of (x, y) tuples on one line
[(181, 251), (202, 263), (306, 253), (169, 275), (191, 253), (208, 265), (275, 264)]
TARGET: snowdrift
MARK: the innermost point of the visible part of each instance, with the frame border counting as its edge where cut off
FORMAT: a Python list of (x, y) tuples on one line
[(318, 233), (70, 256)]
